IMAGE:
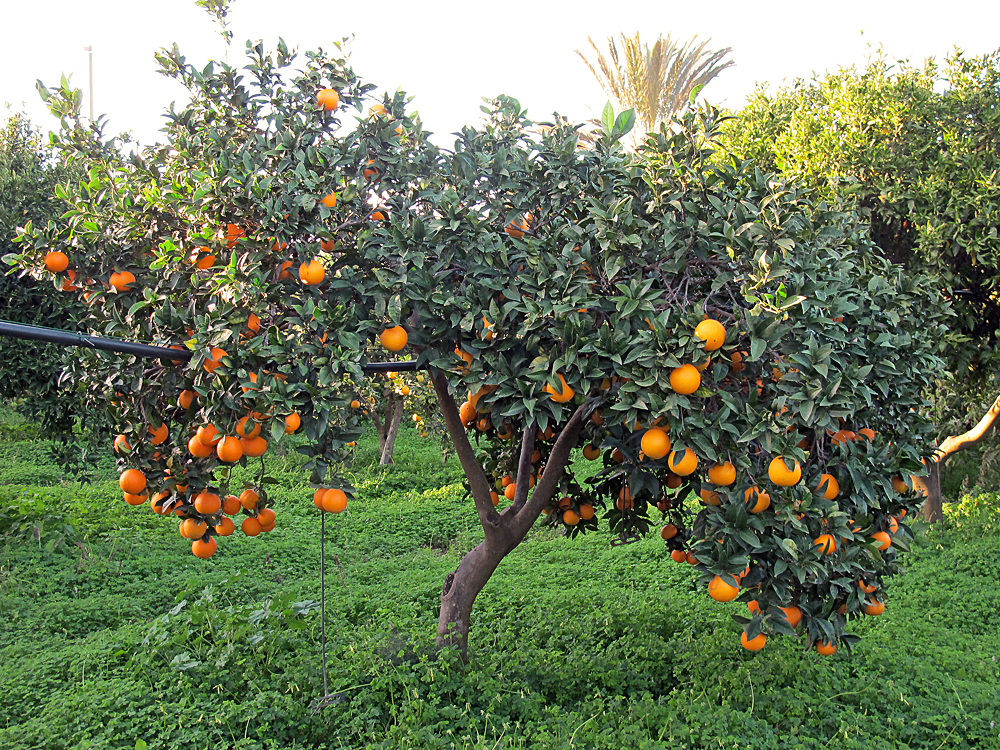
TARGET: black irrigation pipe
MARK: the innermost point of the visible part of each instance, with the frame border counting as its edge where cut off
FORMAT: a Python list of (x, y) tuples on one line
[(69, 338)]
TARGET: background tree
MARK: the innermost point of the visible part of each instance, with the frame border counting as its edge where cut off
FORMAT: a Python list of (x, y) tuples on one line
[(914, 151), (697, 327), (31, 373), (655, 82)]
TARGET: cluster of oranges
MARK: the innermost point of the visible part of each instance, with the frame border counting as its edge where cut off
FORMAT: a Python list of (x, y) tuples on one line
[(204, 514)]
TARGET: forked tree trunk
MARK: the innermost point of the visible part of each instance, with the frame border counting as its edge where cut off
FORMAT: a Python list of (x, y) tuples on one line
[(930, 485), (504, 531)]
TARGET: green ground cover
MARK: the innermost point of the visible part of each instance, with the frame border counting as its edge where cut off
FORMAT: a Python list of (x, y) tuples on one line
[(115, 636)]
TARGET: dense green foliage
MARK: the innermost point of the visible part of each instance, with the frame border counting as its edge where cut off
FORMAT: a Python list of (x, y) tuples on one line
[(916, 150), (122, 638), (29, 370)]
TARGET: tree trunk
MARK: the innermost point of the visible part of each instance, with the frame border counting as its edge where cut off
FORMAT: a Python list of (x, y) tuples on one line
[(930, 485), (460, 591), (503, 531), (389, 442)]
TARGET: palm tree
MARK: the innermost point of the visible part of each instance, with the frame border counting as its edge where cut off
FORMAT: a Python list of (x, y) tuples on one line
[(656, 83)]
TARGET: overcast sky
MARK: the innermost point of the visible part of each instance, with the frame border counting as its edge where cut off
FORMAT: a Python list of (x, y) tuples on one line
[(449, 54)]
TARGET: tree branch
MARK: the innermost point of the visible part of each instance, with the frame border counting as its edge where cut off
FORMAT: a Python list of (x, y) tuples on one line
[(957, 443), (478, 484), (544, 490), (524, 467)]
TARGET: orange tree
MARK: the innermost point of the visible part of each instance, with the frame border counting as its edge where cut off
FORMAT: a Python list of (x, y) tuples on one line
[(744, 367)]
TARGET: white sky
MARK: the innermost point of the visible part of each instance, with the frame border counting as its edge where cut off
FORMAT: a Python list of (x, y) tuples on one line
[(449, 53)]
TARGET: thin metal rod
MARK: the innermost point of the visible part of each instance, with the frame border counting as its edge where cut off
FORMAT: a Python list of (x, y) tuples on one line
[(69, 338), (322, 596)]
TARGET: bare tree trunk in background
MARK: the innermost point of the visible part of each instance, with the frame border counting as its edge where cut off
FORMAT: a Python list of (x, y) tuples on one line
[(930, 485), (389, 441)]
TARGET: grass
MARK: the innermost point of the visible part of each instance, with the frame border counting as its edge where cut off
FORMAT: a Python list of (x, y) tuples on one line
[(115, 636)]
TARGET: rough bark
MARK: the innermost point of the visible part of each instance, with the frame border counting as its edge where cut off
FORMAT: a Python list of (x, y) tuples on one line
[(930, 485), (503, 532)]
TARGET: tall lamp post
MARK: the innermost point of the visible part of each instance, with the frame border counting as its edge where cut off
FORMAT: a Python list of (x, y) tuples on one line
[(90, 49)]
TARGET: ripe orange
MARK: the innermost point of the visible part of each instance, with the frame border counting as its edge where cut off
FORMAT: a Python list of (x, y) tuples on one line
[(68, 285), (779, 473), (655, 443), (159, 434), (565, 392), (250, 526), (135, 499), (466, 358), (379, 214), (885, 541), (517, 230), (56, 261), (328, 99), (186, 398), (678, 555), (709, 497), (761, 500), (334, 500), (121, 444), (467, 413), (241, 427), (570, 518), (668, 532), (249, 499), (510, 490), (828, 485), (624, 501), (712, 332), (370, 172), (394, 339), (685, 379), (312, 273), (683, 465), (283, 273), (292, 422), (198, 449), (737, 364), (827, 543), (121, 281), (723, 474), (329, 200), (229, 449), (586, 512), (753, 606), (753, 644), (231, 505), (893, 525), (825, 648), (899, 485), (192, 528), (793, 615), (254, 447), (225, 527), (157, 504), (203, 548), (874, 607), (208, 435), (692, 560), (132, 481), (721, 590), (207, 503), (591, 452), (212, 362), (867, 432), (266, 516)]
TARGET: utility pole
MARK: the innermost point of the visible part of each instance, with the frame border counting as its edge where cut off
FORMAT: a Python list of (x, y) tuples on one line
[(90, 49)]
